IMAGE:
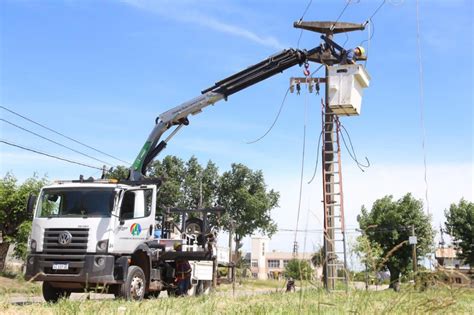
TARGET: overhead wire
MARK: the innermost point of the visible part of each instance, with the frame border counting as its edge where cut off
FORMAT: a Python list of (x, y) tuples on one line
[(48, 155), (422, 102), (55, 142), (376, 11), (63, 135), (371, 29), (301, 19), (340, 14), (274, 121)]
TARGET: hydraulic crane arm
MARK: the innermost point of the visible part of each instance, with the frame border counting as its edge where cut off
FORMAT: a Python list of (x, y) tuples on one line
[(178, 116)]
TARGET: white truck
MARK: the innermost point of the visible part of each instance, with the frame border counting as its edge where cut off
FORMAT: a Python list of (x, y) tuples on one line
[(100, 233)]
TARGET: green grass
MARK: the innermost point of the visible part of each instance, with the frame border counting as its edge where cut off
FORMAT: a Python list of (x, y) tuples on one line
[(310, 301)]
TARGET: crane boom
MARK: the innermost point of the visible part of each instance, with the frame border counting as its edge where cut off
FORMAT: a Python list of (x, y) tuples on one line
[(178, 116)]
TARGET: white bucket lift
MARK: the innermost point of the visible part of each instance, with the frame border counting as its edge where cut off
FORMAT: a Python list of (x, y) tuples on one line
[(346, 84)]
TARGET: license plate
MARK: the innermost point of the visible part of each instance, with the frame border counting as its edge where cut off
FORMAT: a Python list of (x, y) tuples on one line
[(60, 266)]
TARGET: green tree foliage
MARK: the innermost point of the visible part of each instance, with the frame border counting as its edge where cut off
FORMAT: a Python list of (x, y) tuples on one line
[(14, 220), (190, 185), (370, 255), (460, 225), (389, 223), (299, 270), (243, 193), (318, 257), (369, 252), (171, 171), (119, 172)]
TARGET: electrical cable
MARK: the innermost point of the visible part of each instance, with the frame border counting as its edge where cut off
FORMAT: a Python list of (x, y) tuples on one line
[(351, 151), (376, 11), (347, 39), (63, 135), (302, 164), (422, 101), (370, 35), (317, 69), (317, 159), (274, 121), (52, 141), (48, 155), (340, 14), (301, 19)]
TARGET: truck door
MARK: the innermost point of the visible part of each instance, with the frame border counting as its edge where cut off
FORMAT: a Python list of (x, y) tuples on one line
[(136, 219)]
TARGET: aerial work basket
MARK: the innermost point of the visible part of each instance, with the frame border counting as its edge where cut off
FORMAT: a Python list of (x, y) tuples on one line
[(346, 84)]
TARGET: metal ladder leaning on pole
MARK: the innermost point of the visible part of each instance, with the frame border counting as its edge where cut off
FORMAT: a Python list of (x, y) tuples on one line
[(333, 201)]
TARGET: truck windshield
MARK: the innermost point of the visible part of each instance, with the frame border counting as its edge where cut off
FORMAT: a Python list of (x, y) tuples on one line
[(76, 202)]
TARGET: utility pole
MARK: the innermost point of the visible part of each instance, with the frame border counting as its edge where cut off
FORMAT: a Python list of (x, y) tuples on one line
[(414, 242), (229, 275), (332, 199)]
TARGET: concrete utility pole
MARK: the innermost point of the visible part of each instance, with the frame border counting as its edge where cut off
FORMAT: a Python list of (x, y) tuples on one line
[(326, 56)]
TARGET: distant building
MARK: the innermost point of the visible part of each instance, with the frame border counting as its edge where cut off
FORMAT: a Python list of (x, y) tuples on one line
[(457, 271), (266, 264)]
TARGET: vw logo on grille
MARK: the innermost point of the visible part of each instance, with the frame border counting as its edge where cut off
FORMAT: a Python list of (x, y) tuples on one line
[(65, 238)]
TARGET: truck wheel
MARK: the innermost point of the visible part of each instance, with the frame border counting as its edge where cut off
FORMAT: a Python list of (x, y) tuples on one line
[(133, 287), (52, 294)]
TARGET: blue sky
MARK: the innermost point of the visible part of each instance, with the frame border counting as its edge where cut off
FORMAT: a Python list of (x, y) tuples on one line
[(101, 71)]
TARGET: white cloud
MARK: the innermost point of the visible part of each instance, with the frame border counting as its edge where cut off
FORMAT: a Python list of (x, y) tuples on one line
[(183, 12)]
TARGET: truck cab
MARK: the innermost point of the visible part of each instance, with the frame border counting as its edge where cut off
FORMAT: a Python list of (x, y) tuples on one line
[(101, 234)]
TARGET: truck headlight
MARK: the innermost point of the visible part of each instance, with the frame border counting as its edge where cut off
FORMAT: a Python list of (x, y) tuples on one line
[(33, 246), (102, 246)]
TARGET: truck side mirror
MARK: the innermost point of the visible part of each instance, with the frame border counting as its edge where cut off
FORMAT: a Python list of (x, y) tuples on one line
[(30, 206)]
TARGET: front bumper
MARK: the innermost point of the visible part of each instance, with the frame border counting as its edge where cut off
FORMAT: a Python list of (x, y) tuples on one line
[(88, 268)]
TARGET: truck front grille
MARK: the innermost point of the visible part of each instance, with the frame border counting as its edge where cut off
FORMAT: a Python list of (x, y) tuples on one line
[(77, 246)]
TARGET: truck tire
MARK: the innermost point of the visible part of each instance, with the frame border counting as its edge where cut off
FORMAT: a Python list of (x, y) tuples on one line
[(134, 287), (52, 294)]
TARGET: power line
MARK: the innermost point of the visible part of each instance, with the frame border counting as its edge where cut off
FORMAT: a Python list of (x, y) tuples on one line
[(301, 19), (274, 121), (376, 11), (48, 155), (340, 14), (422, 101), (63, 135), (52, 141)]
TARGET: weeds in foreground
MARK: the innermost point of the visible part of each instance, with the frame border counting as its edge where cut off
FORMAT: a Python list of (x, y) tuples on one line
[(410, 300)]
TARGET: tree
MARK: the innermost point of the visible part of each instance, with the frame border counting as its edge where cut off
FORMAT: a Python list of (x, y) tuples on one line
[(243, 193), (184, 184), (318, 257), (119, 172), (389, 224), (15, 222), (370, 255), (460, 225), (171, 171), (299, 269)]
